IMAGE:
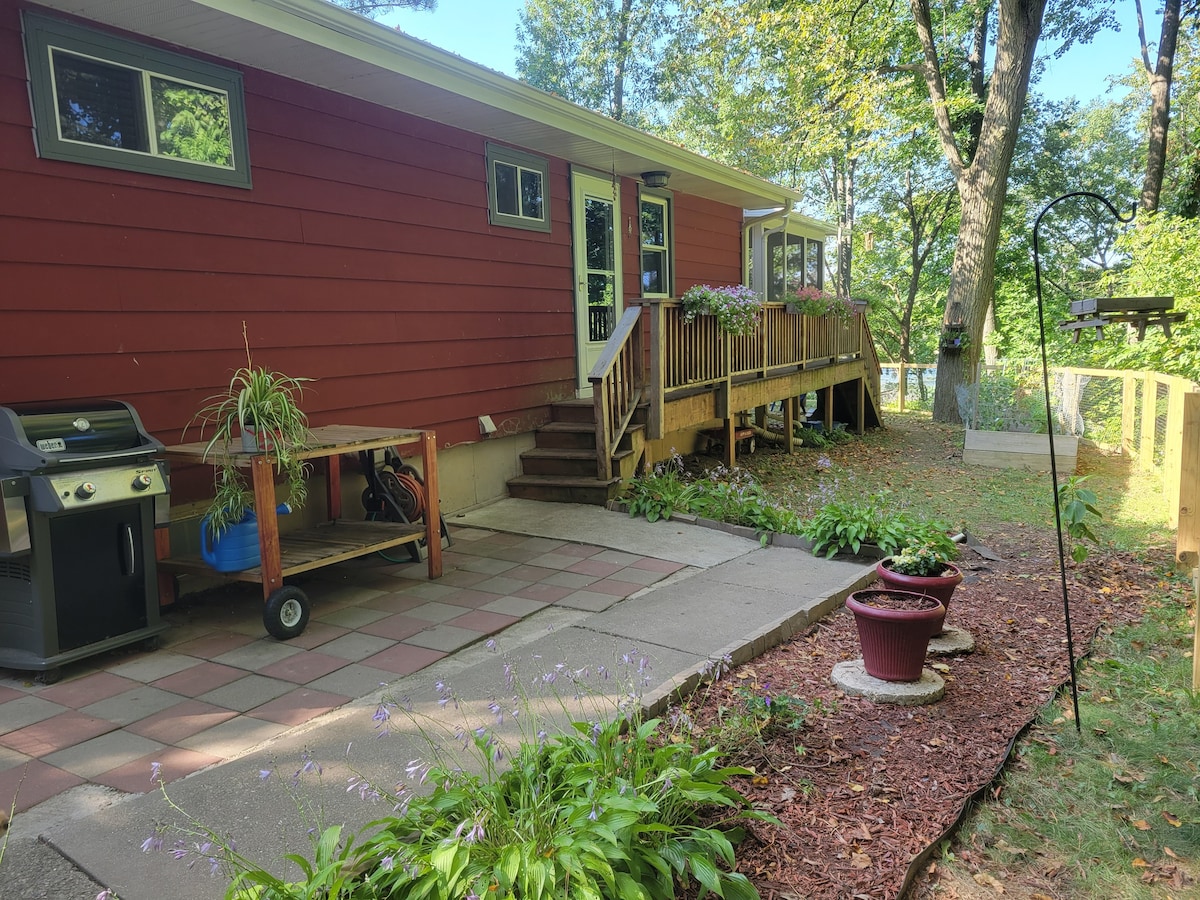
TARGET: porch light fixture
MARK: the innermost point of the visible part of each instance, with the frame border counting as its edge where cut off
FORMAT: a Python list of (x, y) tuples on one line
[(656, 179)]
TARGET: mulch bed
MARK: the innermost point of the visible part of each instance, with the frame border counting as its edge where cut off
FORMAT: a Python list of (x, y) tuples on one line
[(876, 785)]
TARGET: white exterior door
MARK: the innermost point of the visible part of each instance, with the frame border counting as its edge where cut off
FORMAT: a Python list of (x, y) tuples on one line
[(596, 241)]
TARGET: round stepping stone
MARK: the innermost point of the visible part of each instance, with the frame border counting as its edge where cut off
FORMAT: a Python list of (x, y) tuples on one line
[(951, 642), (851, 676)]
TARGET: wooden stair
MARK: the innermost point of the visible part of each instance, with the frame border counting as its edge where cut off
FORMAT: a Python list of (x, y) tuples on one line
[(562, 467)]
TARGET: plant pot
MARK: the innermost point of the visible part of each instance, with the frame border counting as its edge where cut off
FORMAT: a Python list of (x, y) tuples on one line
[(254, 441), (893, 630), (940, 587)]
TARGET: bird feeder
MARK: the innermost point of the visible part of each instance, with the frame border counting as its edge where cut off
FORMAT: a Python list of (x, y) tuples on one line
[(1138, 312)]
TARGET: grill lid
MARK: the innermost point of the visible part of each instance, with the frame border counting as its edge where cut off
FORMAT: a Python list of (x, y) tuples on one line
[(36, 436)]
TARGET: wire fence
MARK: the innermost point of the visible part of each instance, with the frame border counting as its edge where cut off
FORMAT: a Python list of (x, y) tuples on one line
[(1134, 412)]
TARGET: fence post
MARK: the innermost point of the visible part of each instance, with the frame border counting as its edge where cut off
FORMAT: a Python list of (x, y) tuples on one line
[(1187, 510), (903, 384), (1149, 420), (1128, 415), (1173, 449)]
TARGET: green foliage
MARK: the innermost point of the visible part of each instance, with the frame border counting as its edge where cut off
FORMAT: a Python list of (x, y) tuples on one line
[(660, 492), (843, 526), (621, 59), (270, 402), (191, 122), (923, 560), (724, 495), (811, 301), (1076, 504), (609, 809)]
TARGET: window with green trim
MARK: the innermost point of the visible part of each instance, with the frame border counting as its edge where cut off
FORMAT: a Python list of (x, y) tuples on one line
[(517, 189), (655, 216), (106, 101)]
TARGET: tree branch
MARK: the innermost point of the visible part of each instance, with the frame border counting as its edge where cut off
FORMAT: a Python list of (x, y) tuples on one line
[(937, 87)]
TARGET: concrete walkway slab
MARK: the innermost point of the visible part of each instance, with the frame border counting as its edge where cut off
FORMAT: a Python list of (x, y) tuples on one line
[(731, 596), (678, 542)]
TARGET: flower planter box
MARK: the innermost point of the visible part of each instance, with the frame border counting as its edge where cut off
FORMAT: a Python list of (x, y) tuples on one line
[(1019, 450)]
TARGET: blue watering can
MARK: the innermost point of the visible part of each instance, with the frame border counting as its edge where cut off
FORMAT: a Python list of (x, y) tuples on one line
[(237, 547)]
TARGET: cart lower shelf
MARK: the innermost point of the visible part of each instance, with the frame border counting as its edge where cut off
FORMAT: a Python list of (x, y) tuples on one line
[(313, 548)]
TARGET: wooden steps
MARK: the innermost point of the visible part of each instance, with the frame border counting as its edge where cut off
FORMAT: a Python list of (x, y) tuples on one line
[(562, 467)]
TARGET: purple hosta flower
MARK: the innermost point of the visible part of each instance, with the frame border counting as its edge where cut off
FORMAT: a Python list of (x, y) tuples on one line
[(643, 665), (596, 732), (155, 771), (490, 644), (417, 770), (549, 678), (471, 830), (387, 863), (264, 774), (381, 718), (106, 894), (603, 672), (509, 674), (542, 736), (596, 812), (668, 783), (824, 462), (495, 710), (152, 844)]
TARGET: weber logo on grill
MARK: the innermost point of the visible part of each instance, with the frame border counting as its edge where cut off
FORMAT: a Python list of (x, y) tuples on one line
[(52, 445)]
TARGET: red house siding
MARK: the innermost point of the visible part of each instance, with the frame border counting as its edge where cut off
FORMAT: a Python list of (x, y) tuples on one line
[(362, 257)]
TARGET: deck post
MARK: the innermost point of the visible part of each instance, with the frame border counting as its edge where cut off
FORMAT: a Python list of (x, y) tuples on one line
[(658, 372), (1187, 537), (789, 423)]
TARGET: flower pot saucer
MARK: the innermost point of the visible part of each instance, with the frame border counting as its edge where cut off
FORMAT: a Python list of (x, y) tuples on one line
[(851, 676)]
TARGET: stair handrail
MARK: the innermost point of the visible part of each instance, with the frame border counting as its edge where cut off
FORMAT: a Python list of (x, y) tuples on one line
[(618, 382)]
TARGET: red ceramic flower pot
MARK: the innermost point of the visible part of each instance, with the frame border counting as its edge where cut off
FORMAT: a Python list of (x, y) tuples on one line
[(940, 587), (893, 630)]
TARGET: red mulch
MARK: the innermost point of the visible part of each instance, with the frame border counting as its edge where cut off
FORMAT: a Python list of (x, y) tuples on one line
[(876, 784)]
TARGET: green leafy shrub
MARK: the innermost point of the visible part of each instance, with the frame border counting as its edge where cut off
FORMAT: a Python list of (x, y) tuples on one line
[(1076, 504), (722, 494), (843, 526), (615, 808)]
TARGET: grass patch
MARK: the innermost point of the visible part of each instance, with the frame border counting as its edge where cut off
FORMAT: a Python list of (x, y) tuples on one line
[(1113, 811)]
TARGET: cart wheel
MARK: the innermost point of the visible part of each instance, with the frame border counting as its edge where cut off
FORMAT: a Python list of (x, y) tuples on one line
[(286, 612), (48, 676)]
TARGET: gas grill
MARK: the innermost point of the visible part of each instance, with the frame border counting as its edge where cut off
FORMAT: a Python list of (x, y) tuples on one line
[(79, 486)]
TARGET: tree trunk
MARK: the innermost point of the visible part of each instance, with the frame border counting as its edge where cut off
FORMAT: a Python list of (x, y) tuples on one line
[(1160, 75), (845, 253), (982, 186), (621, 50)]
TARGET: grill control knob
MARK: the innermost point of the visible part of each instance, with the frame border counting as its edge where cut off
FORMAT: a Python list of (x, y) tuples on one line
[(85, 491), (142, 482)]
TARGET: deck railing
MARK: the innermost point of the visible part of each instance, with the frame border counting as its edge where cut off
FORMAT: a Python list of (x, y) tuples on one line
[(618, 382), (697, 356), (700, 355)]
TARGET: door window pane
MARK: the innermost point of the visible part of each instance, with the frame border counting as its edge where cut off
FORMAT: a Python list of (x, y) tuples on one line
[(598, 233), (601, 305)]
